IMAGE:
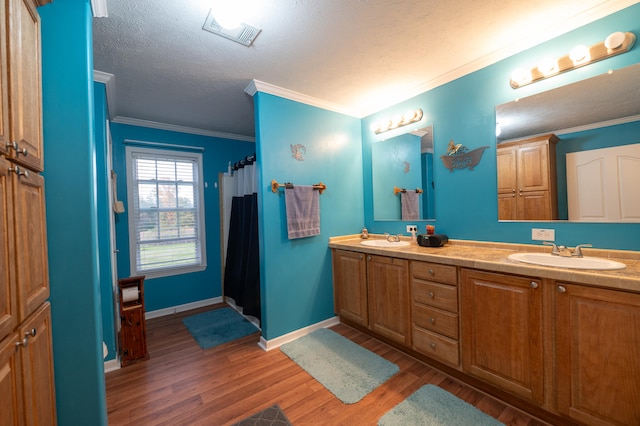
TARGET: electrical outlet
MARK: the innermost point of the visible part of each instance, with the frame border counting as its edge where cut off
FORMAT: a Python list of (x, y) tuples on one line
[(543, 234), (413, 228)]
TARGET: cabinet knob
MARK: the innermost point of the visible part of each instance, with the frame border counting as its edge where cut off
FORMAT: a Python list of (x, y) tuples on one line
[(20, 172), (562, 289), (432, 345), (432, 320), (368, 257), (31, 333), (14, 145), (361, 256), (431, 295), (533, 284), (431, 272)]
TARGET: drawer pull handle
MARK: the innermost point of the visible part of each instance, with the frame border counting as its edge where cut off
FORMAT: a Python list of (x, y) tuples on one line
[(431, 272), (561, 289), (432, 320), (432, 345), (431, 295), (533, 284)]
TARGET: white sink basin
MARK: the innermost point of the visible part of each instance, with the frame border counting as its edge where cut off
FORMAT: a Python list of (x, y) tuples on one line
[(384, 243), (547, 259)]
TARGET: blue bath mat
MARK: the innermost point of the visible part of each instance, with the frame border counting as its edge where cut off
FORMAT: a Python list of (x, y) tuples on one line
[(345, 368), (433, 406), (218, 326)]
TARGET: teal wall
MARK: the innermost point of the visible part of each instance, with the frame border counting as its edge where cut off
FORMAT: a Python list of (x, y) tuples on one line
[(177, 290), (104, 212), (71, 203), (295, 275), (463, 111)]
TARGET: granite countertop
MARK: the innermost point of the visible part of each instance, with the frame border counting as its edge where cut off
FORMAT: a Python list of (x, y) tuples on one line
[(493, 257)]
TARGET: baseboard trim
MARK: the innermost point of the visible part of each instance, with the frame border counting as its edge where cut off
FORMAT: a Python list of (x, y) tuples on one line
[(112, 365), (268, 345), (181, 308)]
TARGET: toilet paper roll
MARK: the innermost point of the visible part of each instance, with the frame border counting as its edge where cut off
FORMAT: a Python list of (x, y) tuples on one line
[(129, 294)]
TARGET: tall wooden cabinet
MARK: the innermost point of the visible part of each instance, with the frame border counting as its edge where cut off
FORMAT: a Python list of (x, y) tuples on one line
[(26, 360), (527, 187)]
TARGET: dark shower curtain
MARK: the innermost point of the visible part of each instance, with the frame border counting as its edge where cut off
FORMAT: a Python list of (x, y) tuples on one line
[(242, 267)]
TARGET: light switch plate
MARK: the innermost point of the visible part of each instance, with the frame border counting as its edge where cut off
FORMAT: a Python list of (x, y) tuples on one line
[(538, 234)]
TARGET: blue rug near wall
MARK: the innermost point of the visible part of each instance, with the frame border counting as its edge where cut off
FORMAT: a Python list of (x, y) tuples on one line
[(218, 326), (433, 406), (345, 368)]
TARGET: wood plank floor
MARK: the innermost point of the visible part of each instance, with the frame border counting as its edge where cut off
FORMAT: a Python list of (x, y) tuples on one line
[(181, 384)]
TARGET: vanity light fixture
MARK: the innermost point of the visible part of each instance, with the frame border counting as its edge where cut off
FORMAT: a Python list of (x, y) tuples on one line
[(397, 121), (614, 44)]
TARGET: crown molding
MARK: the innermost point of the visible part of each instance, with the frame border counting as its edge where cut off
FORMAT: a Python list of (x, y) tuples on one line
[(181, 129), (260, 86), (109, 80), (99, 8)]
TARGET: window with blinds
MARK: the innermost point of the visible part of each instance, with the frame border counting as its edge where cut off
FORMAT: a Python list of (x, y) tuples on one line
[(166, 212)]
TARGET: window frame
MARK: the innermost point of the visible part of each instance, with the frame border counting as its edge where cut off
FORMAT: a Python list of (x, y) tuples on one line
[(169, 155)]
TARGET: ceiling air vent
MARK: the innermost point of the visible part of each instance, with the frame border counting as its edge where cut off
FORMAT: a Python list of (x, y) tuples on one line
[(244, 34)]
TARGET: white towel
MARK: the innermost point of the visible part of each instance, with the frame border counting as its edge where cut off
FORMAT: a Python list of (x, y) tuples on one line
[(303, 211), (410, 206)]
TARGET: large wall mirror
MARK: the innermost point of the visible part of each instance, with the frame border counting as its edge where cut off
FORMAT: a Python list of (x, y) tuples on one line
[(404, 162), (591, 130)]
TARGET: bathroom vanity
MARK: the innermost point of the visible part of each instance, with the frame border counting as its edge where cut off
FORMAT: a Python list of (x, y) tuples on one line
[(560, 343)]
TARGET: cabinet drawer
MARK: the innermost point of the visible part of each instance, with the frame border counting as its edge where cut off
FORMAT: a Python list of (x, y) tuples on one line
[(433, 294), (436, 346), (434, 272), (436, 320)]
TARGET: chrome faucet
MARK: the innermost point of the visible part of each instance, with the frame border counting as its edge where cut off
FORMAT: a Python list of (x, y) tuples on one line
[(565, 251), (392, 238)]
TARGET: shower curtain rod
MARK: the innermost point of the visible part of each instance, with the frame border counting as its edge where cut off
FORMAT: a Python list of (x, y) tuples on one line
[(275, 185)]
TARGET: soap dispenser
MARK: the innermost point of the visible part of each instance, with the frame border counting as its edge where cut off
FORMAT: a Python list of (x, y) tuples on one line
[(365, 234)]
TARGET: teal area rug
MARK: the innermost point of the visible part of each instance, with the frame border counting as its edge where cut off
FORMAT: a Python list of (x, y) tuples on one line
[(345, 368), (218, 326), (433, 406)]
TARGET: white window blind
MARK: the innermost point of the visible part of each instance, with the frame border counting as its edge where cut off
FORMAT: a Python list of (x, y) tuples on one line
[(166, 217)]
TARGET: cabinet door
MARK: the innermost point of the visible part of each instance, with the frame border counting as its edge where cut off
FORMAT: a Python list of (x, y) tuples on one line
[(37, 368), (533, 167), (8, 302), (4, 83), (388, 285), (507, 165), (502, 332), (30, 241), (535, 205), (25, 87), (350, 286), (10, 382), (507, 206), (597, 342)]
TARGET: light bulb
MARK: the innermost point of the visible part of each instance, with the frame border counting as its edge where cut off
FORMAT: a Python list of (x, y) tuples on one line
[(580, 54), (548, 66)]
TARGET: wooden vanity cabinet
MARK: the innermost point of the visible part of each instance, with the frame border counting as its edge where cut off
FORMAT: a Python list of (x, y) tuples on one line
[(502, 338), (388, 291), (597, 354), (527, 179), (350, 286), (373, 291), (434, 311)]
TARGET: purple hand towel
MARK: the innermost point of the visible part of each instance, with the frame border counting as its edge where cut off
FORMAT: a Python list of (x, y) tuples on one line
[(303, 211)]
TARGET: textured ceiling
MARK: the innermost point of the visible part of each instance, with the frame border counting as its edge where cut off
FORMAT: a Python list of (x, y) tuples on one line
[(362, 55)]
